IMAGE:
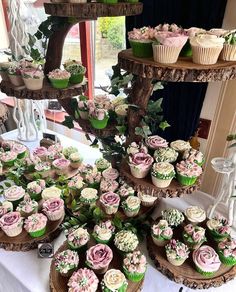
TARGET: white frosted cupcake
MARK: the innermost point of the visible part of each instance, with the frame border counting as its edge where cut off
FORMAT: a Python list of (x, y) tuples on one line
[(51, 192), (195, 215), (162, 174), (11, 223), (88, 196), (114, 280), (102, 164), (75, 160), (180, 146), (14, 194), (146, 200), (165, 155), (131, 206), (126, 241), (61, 166)]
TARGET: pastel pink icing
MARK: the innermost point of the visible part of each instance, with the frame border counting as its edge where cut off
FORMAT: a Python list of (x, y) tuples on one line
[(19, 148), (110, 199), (110, 173), (61, 163), (53, 205), (188, 168), (206, 259), (108, 185), (8, 156), (135, 262), (142, 160), (42, 166), (14, 193), (40, 151), (171, 39), (144, 33), (83, 280), (35, 222), (11, 220), (99, 256), (155, 142), (55, 147), (27, 205)]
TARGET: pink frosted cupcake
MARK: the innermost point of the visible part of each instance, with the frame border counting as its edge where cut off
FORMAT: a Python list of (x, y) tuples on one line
[(134, 148), (110, 174), (66, 262), (55, 147), (108, 185), (110, 202), (35, 189), (43, 169), (41, 152), (187, 172), (27, 207), (98, 258), (54, 209), (177, 252), (93, 178), (161, 233), (140, 164), (53, 155), (35, 225), (30, 162), (61, 166), (194, 236), (11, 223), (77, 238), (20, 150), (83, 280), (5, 207), (14, 194), (8, 158), (135, 266), (156, 142)]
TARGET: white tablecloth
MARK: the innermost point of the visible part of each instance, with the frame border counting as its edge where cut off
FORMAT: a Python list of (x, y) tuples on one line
[(25, 272)]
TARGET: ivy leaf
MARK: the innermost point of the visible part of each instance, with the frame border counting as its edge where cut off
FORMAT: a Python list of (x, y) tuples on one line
[(157, 86), (98, 214), (74, 221), (7, 184), (146, 131), (32, 40), (121, 129), (38, 34), (68, 122), (117, 222), (94, 143), (164, 125), (82, 218), (35, 54), (73, 204)]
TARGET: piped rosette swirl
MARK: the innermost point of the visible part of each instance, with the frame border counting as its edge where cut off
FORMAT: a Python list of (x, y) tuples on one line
[(140, 164), (35, 224), (131, 206), (110, 202), (188, 172), (165, 155), (66, 262), (206, 260), (14, 194), (54, 209), (98, 257), (156, 142), (114, 280), (195, 214), (103, 231), (227, 251), (77, 238), (61, 165), (11, 223), (194, 236), (8, 158), (83, 280), (162, 174)]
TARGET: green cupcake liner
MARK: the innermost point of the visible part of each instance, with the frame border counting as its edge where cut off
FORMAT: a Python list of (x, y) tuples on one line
[(228, 261), (123, 288), (59, 83), (216, 236), (206, 274), (141, 50), (82, 248), (36, 197), (185, 180), (108, 1), (134, 277), (97, 124), (38, 233), (76, 78), (132, 1)]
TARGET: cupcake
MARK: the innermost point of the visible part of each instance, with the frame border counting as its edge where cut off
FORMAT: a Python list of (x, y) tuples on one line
[(8, 158), (5, 207), (206, 260), (30, 162), (53, 155), (195, 215), (173, 216), (66, 262), (176, 252), (54, 209), (131, 206), (11, 223), (20, 150), (140, 164), (56, 148), (229, 48), (165, 155), (51, 192), (193, 236), (126, 241), (61, 166), (43, 169), (41, 152), (110, 174), (35, 189), (35, 225), (93, 178), (108, 185), (162, 174), (67, 151), (167, 47), (125, 190), (114, 280), (135, 266), (156, 142), (219, 228), (135, 148), (75, 160), (83, 280), (161, 233), (88, 196), (77, 238), (187, 172), (141, 41), (180, 146), (206, 48), (146, 200), (227, 252), (75, 185), (110, 202), (14, 194), (98, 258), (59, 79), (194, 156), (102, 164), (27, 207), (103, 232)]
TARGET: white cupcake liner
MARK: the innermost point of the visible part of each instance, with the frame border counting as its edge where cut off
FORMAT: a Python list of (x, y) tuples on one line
[(54, 216), (109, 210), (165, 54), (176, 262), (205, 56), (84, 115), (161, 183), (13, 232), (228, 53), (33, 84), (139, 173)]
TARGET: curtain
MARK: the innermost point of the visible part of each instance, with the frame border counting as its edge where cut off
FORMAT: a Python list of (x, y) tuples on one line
[(182, 102)]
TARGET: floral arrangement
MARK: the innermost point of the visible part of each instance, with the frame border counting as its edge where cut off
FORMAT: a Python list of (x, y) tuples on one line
[(66, 261), (83, 103), (135, 262), (59, 74), (103, 101), (93, 177), (97, 113), (134, 148), (228, 248), (176, 249), (169, 27), (194, 236), (78, 237), (32, 73), (219, 224), (162, 230), (144, 33), (173, 216)]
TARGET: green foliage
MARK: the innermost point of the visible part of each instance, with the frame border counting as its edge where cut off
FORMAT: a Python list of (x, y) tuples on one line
[(68, 122)]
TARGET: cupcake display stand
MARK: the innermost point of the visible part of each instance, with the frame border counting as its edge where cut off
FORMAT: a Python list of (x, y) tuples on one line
[(58, 283), (24, 242)]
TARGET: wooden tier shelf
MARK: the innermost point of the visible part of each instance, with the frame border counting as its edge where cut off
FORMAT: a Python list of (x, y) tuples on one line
[(24, 242), (182, 71), (47, 92), (58, 283), (93, 10), (145, 185)]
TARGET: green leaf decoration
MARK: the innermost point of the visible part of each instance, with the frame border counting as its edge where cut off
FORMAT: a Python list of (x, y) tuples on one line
[(7, 184), (121, 129), (73, 204), (164, 125), (82, 218), (73, 221), (68, 122), (117, 222)]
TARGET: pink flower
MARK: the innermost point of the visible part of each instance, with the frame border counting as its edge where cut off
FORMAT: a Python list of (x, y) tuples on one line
[(197, 236), (222, 245), (234, 253), (224, 229), (99, 256), (227, 252), (181, 252), (168, 232), (141, 159)]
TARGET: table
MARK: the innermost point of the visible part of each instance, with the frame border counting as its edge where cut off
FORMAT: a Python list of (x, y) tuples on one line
[(25, 272)]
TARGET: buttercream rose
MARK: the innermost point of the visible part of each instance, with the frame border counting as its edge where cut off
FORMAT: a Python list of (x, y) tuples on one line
[(110, 198), (141, 159), (99, 256), (155, 142), (206, 259), (53, 204), (10, 220)]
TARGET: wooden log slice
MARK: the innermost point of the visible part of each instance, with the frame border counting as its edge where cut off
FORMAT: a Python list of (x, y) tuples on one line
[(91, 11), (24, 242), (47, 92), (184, 70), (59, 283), (175, 189)]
